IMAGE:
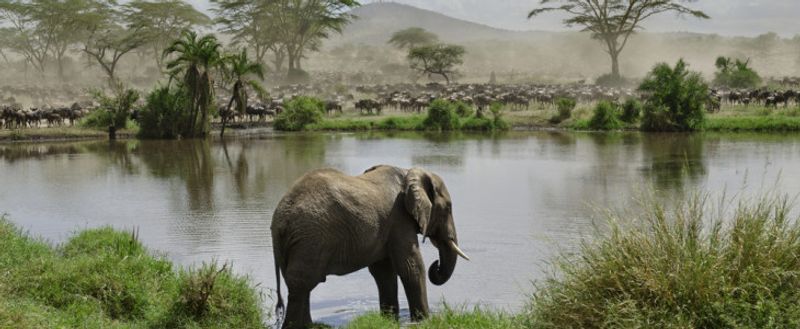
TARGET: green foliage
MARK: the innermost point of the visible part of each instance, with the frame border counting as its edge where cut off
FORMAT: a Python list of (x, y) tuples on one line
[(461, 318), (412, 37), (464, 110), (605, 117), (164, 114), (438, 59), (735, 74), (564, 107), (680, 268), (102, 278), (210, 295), (441, 116), (631, 111), (299, 112), (113, 110), (676, 99), (194, 61)]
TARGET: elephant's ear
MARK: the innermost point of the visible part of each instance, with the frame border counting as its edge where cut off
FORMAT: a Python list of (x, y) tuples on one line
[(417, 198)]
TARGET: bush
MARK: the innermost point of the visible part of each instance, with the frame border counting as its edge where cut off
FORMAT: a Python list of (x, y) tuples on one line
[(609, 80), (679, 268), (564, 107), (441, 116), (631, 111), (297, 76), (464, 110), (299, 112), (114, 110), (164, 114), (735, 74), (478, 124), (605, 117), (676, 99), (97, 119)]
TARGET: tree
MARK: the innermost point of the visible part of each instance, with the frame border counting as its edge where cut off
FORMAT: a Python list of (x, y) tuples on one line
[(303, 24), (251, 23), (29, 39), (439, 59), (239, 70), (59, 20), (195, 58), (107, 38), (676, 99), (161, 22), (412, 38), (735, 74), (612, 21)]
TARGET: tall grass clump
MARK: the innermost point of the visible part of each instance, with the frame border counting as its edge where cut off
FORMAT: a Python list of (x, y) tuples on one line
[(605, 117), (564, 107), (102, 278), (679, 267), (299, 112), (675, 100), (441, 116)]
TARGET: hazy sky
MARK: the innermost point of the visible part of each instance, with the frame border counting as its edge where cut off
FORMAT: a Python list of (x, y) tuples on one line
[(729, 17)]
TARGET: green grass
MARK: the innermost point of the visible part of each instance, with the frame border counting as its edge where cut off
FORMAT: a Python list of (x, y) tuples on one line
[(687, 265), (765, 123), (400, 123), (102, 278), (59, 133)]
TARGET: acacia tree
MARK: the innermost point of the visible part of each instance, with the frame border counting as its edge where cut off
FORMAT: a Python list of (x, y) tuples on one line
[(438, 59), (303, 24), (161, 21), (412, 37), (251, 23), (107, 38), (29, 39), (613, 21)]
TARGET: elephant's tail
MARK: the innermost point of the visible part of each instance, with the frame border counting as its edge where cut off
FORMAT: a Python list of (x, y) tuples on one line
[(279, 308)]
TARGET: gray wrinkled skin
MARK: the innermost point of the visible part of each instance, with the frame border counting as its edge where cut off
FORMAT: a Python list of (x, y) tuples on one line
[(332, 223)]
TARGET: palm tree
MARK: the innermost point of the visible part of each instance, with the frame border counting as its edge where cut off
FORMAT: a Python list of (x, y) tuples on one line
[(196, 58), (240, 71)]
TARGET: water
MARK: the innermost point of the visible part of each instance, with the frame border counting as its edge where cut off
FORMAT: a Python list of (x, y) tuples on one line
[(518, 198)]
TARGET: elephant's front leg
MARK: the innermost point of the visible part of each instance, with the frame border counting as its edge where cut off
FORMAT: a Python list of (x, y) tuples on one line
[(411, 270), (386, 279)]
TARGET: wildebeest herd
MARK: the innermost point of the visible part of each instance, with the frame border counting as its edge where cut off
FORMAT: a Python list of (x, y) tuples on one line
[(411, 98)]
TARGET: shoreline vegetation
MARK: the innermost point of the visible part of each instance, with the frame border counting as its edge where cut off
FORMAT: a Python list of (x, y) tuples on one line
[(748, 119), (675, 264)]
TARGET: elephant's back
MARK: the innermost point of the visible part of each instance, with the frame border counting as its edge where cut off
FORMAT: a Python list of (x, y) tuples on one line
[(322, 195)]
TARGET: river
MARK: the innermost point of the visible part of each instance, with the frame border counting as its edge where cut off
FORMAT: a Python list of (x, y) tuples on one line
[(519, 198)]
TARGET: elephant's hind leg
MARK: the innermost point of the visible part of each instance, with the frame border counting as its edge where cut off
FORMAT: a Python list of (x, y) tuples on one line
[(386, 279), (300, 279)]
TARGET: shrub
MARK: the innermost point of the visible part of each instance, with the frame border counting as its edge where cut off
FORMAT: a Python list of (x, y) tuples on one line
[(464, 110), (297, 76), (609, 80), (478, 124), (299, 112), (678, 267), (441, 116), (735, 74), (497, 116), (605, 117), (631, 111), (564, 107), (114, 110), (164, 114), (676, 99)]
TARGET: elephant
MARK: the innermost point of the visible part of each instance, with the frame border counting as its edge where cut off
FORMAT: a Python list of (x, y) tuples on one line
[(332, 223)]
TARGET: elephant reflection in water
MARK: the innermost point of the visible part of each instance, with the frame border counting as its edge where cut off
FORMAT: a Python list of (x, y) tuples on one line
[(332, 223)]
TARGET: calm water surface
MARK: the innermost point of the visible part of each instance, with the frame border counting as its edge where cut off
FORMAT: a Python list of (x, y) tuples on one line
[(518, 198)]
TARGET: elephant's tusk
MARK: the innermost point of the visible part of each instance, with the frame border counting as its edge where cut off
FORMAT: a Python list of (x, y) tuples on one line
[(458, 250)]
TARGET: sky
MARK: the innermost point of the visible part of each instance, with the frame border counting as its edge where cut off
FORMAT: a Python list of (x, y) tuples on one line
[(729, 17)]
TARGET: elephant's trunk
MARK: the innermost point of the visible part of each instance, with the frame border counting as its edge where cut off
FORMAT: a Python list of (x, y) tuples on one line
[(441, 270)]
